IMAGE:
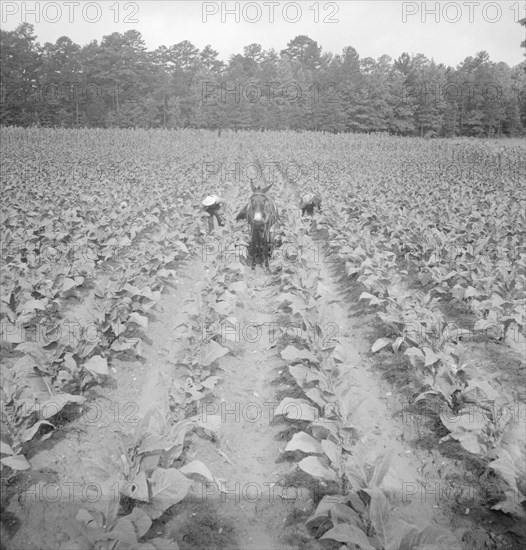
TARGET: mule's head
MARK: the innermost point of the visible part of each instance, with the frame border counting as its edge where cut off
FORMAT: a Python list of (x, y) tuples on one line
[(259, 205), (258, 209)]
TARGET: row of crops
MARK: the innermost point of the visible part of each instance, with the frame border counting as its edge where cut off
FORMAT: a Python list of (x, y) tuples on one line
[(83, 263), (356, 510), (435, 235), (95, 225)]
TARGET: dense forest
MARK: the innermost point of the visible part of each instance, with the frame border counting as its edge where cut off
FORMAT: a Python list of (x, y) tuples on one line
[(119, 83)]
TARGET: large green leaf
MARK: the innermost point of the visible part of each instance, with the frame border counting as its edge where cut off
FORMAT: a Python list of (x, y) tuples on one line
[(314, 466), (97, 365), (302, 441), (167, 487), (211, 352), (296, 409)]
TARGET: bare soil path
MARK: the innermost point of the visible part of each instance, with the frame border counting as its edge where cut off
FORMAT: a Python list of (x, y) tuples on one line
[(247, 509), (251, 507)]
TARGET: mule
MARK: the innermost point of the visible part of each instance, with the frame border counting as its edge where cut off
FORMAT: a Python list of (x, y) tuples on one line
[(261, 214)]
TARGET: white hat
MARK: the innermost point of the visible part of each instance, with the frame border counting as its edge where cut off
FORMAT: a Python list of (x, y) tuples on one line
[(306, 199), (210, 200)]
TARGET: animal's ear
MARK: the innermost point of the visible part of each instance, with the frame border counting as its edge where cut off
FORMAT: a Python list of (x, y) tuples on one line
[(267, 188)]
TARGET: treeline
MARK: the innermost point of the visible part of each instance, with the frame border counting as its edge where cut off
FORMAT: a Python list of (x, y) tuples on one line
[(119, 83)]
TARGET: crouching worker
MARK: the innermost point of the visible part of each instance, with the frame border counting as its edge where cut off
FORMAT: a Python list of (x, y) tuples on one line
[(309, 201), (212, 205)]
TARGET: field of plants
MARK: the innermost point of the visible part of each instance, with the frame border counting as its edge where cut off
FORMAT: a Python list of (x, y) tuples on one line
[(390, 343)]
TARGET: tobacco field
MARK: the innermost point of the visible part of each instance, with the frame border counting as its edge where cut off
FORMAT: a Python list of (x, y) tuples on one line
[(367, 392)]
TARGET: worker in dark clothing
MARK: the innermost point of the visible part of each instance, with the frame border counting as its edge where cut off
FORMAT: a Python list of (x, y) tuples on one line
[(308, 202), (212, 205)]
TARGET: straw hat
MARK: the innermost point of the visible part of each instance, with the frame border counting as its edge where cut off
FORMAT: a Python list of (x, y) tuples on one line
[(306, 199), (210, 200)]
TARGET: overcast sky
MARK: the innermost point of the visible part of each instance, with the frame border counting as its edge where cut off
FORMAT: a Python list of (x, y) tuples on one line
[(373, 27)]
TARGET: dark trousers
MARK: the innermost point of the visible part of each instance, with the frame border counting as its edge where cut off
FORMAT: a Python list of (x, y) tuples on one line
[(309, 209), (213, 211)]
